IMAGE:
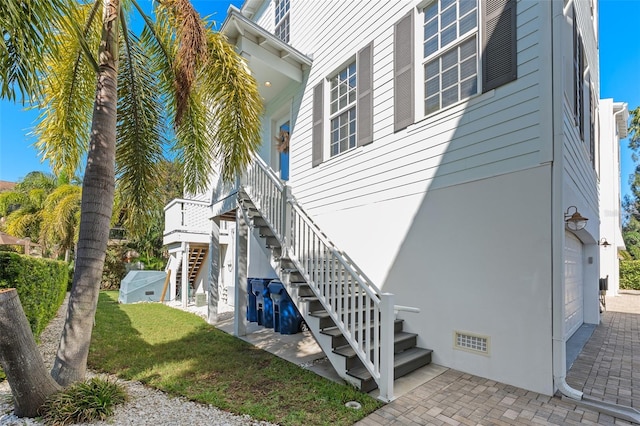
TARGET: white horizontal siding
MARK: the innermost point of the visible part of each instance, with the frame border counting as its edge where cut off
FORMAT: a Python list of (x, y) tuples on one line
[(580, 176), (490, 134)]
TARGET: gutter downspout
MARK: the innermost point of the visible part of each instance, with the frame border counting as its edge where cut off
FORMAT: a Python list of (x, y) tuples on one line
[(559, 350)]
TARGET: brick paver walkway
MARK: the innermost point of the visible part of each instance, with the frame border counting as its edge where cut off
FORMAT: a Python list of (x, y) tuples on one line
[(608, 367)]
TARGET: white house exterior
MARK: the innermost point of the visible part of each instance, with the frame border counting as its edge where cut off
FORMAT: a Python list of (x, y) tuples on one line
[(442, 144), (613, 127)]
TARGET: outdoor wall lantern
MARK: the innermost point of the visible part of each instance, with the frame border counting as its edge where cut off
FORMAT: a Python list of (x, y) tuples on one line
[(575, 221), (229, 266), (604, 243)]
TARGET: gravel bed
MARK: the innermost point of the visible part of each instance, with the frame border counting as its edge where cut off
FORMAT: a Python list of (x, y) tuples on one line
[(146, 406)]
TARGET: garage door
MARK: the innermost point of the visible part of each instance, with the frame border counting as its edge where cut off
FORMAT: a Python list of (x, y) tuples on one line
[(573, 285)]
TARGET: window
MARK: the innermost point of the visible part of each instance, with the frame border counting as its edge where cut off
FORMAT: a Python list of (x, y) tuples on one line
[(350, 108), (450, 53), (453, 32), (282, 20), (342, 109)]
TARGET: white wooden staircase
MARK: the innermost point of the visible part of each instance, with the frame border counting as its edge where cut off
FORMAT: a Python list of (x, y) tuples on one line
[(353, 321)]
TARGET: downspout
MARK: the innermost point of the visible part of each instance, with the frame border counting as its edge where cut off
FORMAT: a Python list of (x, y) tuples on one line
[(559, 350)]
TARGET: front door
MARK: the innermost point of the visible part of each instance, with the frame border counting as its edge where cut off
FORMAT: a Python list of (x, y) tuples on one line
[(282, 139)]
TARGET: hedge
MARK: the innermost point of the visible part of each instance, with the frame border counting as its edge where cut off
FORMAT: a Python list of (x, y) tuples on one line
[(41, 285), (630, 274)]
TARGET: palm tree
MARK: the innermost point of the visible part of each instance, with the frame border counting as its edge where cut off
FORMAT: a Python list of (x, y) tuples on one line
[(177, 71), (60, 218), (23, 206), (177, 63)]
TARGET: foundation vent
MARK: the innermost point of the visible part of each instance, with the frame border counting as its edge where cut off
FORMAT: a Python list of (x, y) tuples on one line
[(471, 343)]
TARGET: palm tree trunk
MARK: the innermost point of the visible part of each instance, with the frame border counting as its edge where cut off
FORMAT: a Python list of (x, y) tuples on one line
[(20, 358), (97, 204)]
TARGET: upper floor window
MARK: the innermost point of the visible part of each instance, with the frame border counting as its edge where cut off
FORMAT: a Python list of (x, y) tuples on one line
[(452, 33), (450, 57), (350, 108), (282, 20), (342, 109)]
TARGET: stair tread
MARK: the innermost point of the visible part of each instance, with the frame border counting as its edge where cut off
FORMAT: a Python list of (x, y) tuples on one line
[(348, 352), (335, 331), (399, 359)]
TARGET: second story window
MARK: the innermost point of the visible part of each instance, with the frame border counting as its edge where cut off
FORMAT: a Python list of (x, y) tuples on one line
[(450, 52), (282, 20), (342, 110)]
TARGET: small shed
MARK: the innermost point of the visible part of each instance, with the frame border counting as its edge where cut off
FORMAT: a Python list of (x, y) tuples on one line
[(142, 286)]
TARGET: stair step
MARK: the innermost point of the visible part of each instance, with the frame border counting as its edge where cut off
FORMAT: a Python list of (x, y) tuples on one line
[(401, 342), (313, 303), (327, 321), (259, 222), (265, 232), (335, 332), (403, 364), (272, 242)]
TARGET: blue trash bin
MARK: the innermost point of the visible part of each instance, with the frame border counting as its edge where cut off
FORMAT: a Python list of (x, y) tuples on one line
[(264, 305), (286, 317), (252, 309)]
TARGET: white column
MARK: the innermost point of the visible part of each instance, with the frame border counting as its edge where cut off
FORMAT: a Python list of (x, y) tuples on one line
[(214, 272), (173, 270), (240, 291), (386, 346), (185, 275)]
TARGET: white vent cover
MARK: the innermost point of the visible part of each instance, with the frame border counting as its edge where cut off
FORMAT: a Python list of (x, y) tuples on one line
[(471, 342)]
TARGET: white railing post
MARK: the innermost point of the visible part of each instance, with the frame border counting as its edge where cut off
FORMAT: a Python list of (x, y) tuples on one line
[(286, 220), (386, 346)]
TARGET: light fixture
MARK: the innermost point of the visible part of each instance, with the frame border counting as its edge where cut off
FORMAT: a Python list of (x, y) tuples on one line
[(229, 266), (267, 84), (575, 221), (604, 243)]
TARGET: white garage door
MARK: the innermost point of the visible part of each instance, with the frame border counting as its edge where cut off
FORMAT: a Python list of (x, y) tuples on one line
[(573, 285)]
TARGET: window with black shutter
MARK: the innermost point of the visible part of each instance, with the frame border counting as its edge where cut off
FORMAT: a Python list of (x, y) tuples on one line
[(453, 53)]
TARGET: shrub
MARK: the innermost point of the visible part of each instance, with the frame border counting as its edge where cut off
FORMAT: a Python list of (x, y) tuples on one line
[(630, 274), (83, 402), (114, 270), (41, 285)]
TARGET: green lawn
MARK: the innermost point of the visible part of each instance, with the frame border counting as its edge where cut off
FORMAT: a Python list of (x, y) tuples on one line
[(181, 354)]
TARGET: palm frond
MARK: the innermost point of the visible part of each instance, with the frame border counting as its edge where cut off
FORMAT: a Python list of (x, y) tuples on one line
[(228, 85), (68, 94), (9, 200), (191, 37), (60, 216), (26, 27), (194, 145), (141, 130), (22, 223)]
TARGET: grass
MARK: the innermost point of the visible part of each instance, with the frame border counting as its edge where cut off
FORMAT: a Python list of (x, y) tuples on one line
[(181, 354)]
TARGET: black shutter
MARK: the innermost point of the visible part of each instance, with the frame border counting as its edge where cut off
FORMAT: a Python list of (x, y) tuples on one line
[(499, 44), (581, 69), (576, 61), (364, 83), (592, 127), (317, 132), (403, 91)]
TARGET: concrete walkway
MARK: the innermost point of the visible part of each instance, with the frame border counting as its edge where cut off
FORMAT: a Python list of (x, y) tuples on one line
[(608, 368)]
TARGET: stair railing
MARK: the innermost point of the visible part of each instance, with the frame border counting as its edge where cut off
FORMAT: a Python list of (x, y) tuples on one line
[(363, 314)]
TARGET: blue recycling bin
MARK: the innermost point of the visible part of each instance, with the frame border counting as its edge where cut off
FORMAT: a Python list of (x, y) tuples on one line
[(286, 318), (252, 309), (264, 305)]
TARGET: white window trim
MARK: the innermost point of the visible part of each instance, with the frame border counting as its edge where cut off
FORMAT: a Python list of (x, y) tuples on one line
[(287, 15), (420, 61), (329, 116)]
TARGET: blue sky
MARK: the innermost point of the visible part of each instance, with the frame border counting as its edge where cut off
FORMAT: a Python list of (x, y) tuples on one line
[(619, 65)]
